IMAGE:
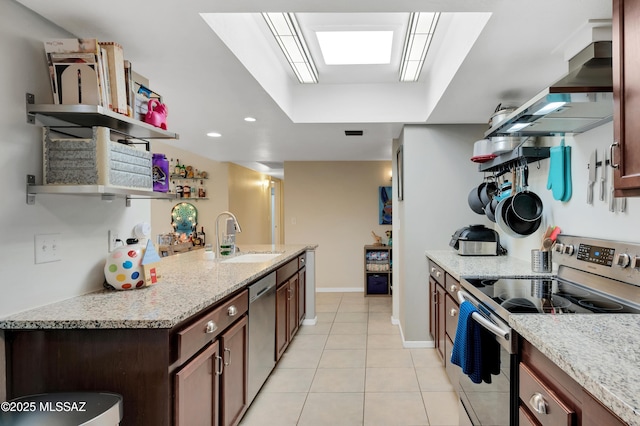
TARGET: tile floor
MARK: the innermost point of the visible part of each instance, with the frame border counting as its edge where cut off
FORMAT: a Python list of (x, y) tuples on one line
[(351, 369)]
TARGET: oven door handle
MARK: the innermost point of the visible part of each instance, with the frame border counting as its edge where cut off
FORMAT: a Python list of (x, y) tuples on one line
[(465, 297)]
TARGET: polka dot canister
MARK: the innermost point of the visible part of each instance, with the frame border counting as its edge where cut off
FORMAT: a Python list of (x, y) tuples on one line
[(123, 269)]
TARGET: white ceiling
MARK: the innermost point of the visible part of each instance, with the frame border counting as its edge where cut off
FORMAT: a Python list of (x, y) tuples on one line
[(504, 52)]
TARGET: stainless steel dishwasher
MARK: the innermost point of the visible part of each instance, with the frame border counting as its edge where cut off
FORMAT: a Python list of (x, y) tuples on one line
[(262, 332)]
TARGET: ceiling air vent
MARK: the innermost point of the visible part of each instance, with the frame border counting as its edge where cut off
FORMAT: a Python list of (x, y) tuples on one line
[(353, 132)]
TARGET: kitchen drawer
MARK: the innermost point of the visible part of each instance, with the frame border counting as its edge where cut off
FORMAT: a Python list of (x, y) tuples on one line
[(451, 310), (452, 286), (553, 411), (436, 272), (285, 272), (196, 335)]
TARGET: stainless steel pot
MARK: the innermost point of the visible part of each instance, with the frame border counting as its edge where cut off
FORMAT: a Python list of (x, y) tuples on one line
[(500, 114)]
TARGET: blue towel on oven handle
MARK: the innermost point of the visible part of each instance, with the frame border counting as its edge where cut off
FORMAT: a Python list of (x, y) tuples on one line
[(475, 349)]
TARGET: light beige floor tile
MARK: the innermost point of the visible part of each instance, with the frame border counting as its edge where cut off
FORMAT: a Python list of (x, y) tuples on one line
[(352, 317), (391, 380), (385, 358), (354, 296), (351, 307), (380, 316), (322, 409), (346, 341), (325, 316), (286, 407), (379, 327), (433, 379), (401, 408), (327, 307), (345, 358), (349, 328), (324, 297), (319, 328), (384, 341), (442, 407), (424, 358), (308, 341), (338, 380), (289, 380), (380, 308), (302, 358)]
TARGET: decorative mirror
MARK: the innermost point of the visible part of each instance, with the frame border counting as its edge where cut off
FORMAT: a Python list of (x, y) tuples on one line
[(184, 218)]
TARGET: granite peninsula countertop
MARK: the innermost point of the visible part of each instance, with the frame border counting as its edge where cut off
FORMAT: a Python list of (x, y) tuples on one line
[(189, 283), (600, 352)]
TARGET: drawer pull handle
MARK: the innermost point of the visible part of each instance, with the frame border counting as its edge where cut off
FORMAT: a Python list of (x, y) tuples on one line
[(302, 260), (232, 311), (453, 288), (453, 312), (611, 147), (438, 274), (211, 327), (433, 270), (538, 403), (224, 355)]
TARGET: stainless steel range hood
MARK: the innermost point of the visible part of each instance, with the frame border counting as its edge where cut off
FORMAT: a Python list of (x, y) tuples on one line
[(578, 102)]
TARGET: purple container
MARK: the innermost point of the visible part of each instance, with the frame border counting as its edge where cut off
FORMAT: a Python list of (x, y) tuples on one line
[(160, 173)]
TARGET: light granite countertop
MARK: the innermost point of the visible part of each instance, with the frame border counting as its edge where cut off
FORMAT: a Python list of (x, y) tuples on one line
[(600, 352), (189, 283), (481, 266)]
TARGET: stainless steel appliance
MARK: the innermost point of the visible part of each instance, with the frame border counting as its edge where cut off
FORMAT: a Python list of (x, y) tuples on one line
[(262, 332), (476, 240), (594, 276)]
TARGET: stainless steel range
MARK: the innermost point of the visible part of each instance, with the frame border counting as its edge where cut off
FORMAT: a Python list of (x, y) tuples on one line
[(594, 277)]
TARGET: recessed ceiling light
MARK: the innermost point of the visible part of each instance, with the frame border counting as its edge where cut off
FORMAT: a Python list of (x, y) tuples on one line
[(249, 119), (355, 47), (214, 134)]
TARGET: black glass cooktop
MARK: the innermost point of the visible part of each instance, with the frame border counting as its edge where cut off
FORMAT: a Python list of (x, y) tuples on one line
[(524, 295)]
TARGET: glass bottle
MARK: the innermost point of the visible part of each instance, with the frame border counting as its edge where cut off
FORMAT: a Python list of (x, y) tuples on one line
[(177, 169)]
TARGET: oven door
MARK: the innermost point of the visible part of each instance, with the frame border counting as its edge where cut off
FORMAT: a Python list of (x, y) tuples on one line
[(492, 403)]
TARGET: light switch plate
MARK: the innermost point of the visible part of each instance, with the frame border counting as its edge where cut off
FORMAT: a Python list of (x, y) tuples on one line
[(46, 248)]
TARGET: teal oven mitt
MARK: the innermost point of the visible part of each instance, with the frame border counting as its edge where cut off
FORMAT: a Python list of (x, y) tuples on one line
[(556, 180), (567, 174)]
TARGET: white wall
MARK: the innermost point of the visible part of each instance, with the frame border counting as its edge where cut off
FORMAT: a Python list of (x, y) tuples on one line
[(81, 222), (437, 177), (576, 217), (335, 205)]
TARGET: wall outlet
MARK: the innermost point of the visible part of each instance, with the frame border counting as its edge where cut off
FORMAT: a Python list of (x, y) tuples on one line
[(46, 248), (114, 240)]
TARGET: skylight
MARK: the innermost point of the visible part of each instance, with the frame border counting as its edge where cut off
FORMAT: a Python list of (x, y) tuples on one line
[(355, 47)]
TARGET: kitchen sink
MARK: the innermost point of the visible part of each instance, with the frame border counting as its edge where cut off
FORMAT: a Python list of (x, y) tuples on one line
[(251, 258)]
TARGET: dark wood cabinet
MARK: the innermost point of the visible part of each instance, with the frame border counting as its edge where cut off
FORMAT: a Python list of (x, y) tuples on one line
[(443, 309), (626, 84), (549, 396), (166, 377), (233, 379), (302, 294), (293, 318), (282, 322), (197, 389)]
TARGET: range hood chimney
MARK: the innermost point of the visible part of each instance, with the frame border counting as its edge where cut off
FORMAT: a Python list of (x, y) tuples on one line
[(580, 101)]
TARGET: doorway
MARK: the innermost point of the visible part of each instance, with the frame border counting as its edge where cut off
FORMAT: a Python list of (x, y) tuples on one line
[(276, 212)]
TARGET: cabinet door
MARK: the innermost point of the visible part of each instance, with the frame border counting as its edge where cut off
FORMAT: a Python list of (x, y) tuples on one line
[(433, 317), (440, 333), (302, 294), (196, 390), (626, 84), (292, 317), (282, 324), (233, 381)]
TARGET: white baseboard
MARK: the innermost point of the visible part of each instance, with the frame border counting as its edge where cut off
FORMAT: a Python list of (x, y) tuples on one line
[(312, 321), (415, 344), (339, 290)]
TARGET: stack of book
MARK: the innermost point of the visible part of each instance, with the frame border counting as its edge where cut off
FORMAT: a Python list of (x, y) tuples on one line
[(87, 71)]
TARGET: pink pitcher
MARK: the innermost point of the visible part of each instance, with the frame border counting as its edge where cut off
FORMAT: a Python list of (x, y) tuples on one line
[(157, 114)]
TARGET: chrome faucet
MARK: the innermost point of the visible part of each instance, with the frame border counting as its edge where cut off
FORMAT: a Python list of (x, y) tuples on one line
[(235, 224)]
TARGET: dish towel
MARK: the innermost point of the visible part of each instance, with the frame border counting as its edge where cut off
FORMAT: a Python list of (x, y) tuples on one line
[(475, 349)]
